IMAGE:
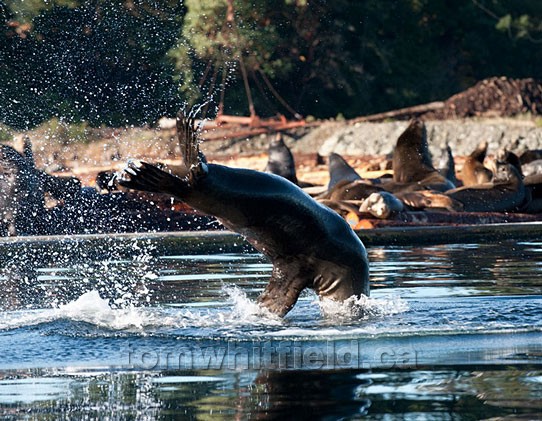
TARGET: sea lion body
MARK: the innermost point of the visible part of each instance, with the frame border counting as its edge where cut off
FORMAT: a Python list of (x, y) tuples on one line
[(412, 165), (505, 193), (474, 172), (382, 205), (280, 160), (308, 244), (340, 170)]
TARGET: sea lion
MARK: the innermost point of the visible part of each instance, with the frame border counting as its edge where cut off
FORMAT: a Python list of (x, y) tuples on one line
[(505, 193), (532, 168), (382, 205), (474, 172), (309, 245), (281, 161), (530, 155), (533, 184), (447, 165), (351, 190), (340, 170), (412, 161), (424, 199)]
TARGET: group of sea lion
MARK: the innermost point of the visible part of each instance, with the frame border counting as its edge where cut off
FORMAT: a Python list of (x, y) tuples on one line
[(416, 184), (309, 244)]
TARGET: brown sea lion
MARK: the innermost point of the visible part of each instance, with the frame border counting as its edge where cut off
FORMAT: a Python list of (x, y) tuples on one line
[(426, 199), (351, 190), (309, 245), (473, 171), (505, 193), (412, 161)]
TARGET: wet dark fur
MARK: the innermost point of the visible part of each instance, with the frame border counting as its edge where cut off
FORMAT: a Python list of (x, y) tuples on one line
[(505, 193), (281, 161)]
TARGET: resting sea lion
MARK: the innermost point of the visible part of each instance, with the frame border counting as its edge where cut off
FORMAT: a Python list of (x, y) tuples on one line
[(412, 162), (351, 190), (340, 170), (530, 155), (281, 161), (447, 167), (424, 199), (506, 192), (382, 205), (308, 244), (474, 172)]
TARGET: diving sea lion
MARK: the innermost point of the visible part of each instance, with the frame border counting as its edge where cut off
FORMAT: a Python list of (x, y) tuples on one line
[(281, 161), (412, 161), (309, 245), (506, 192), (474, 172)]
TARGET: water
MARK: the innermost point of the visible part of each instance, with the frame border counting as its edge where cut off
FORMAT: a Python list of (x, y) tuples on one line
[(126, 327)]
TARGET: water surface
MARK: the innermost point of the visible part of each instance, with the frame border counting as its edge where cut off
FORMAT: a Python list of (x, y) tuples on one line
[(142, 330)]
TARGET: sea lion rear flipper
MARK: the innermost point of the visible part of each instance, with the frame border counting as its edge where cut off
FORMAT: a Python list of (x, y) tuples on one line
[(281, 292), (187, 133)]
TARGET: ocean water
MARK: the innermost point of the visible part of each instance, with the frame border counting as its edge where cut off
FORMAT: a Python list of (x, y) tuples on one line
[(144, 328)]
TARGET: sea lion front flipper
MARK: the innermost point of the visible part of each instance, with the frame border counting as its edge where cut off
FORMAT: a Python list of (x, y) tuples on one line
[(147, 177), (282, 291)]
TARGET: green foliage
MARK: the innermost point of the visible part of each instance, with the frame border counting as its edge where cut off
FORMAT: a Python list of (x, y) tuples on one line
[(119, 62)]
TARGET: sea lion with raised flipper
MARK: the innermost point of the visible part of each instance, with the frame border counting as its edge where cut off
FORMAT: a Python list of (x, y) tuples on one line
[(412, 161), (473, 171), (309, 245)]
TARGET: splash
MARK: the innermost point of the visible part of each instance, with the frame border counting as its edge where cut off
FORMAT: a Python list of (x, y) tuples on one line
[(363, 307), (247, 311), (92, 308)]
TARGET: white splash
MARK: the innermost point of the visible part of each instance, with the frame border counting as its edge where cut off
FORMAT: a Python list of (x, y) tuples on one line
[(363, 307), (92, 308), (247, 311)]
